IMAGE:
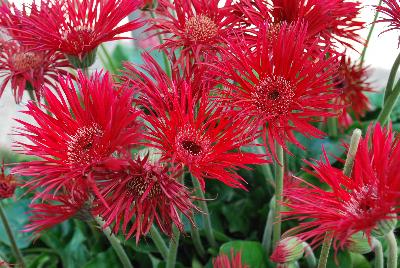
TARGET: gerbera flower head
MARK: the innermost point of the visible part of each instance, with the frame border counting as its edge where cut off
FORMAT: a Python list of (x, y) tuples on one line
[(7, 184), (24, 69), (362, 202), (194, 131), (77, 27), (141, 193), (78, 127), (281, 85), (327, 20), (198, 27), (391, 11), (353, 86), (235, 261)]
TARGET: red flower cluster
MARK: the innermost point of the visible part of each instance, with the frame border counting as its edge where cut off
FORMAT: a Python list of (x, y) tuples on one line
[(21, 67), (352, 204)]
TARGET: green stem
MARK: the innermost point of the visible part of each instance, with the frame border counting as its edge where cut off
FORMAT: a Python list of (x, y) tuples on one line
[(333, 127), (392, 243), (115, 243), (391, 79), (351, 154), (173, 248), (32, 94), (389, 105), (309, 256), (266, 240), (369, 35), (198, 245), (159, 242), (109, 59), (279, 173), (206, 214), (326, 245), (14, 246), (165, 58), (377, 247)]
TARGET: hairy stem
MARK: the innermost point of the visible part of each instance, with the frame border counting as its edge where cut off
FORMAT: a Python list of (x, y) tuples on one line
[(206, 214), (159, 242), (377, 247), (279, 173), (115, 243), (198, 245), (326, 246), (392, 243), (173, 248), (309, 256)]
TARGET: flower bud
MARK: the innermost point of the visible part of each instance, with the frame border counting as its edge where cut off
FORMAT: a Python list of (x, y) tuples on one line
[(289, 249), (385, 226), (358, 243), (83, 62), (7, 185)]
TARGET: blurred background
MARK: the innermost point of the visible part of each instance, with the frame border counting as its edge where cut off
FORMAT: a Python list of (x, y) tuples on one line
[(381, 54)]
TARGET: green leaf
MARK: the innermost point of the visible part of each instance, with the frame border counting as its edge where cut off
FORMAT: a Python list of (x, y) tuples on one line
[(359, 261), (103, 260), (342, 259), (252, 252), (17, 215)]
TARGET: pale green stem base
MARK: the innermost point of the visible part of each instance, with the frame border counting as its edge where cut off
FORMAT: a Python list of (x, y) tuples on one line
[(14, 246), (198, 245), (392, 243), (377, 247), (309, 256), (159, 242), (115, 243), (279, 173)]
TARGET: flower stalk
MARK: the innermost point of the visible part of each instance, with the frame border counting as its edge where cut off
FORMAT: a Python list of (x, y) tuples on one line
[(279, 174), (348, 167), (377, 248), (159, 242), (115, 243), (173, 248), (392, 243), (14, 246)]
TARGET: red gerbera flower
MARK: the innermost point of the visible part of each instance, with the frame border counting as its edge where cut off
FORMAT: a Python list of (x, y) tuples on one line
[(281, 85), (235, 261), (326, 19), (392, 11), (192, 130), (353, 86), (29, 70), (55, 209), (352, 204), (7, 184), (197, 27), (77, 27), (139, 193), (76, 130)]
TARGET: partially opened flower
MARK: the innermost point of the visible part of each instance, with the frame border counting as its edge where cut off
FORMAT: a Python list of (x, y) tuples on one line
[(280, 86), (50, 210), (77, 27), (198, 27), (353, 86), (78, 127), (190, 129), (141, 193), (7, 184), (26, 70), (234, 261), (362, 202), (391, 11)]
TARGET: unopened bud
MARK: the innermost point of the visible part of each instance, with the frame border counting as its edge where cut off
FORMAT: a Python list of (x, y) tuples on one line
[(289, 249), (385, 226), (358, 243)]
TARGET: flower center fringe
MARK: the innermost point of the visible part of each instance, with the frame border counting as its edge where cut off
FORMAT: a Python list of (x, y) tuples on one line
[(201, 28), (273, 96), (81, 147), (25, 61), (138, 185)]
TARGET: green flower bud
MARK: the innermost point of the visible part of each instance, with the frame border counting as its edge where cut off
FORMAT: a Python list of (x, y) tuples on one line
[(358, 243), (289, 249), (384, 227)]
